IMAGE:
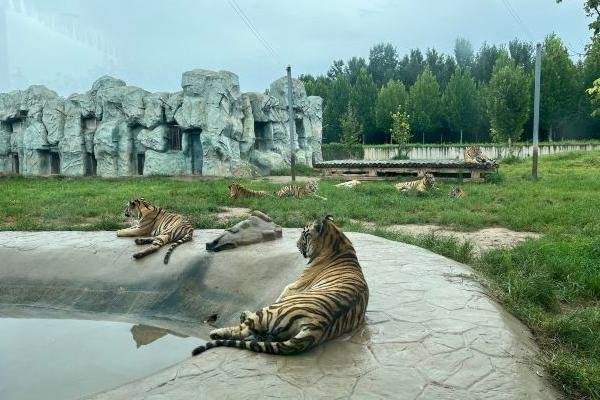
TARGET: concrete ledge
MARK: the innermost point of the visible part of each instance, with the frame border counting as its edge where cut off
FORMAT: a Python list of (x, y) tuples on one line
[(432, 332)]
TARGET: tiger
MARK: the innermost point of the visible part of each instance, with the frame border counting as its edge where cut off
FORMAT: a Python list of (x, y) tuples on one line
[(309, 189), (237, 191), (457, 192), (158, 226), (473, 154), (420, 185), (328, 300)]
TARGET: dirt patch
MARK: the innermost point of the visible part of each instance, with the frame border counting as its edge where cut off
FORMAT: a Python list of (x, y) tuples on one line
[(227, 213), (482, 240)]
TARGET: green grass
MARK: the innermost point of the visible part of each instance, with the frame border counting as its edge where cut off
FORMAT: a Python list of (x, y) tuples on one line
[(552, 284)]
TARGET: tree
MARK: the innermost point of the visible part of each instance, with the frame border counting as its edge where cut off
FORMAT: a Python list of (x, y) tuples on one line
[(362, 99), (390, 97), (463, 52), (424, 103), (410, 67), (351, 128), (383, 60), (559, 86), (354, 65), (336, 70), (484, 62), (338, 98), (460, 102), (522, 53), (508, 101), (440, 65), (594, 93), (318, 86), (400, 129)]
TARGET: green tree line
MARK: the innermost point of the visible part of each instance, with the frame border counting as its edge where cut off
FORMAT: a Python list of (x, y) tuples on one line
[(473, 96)]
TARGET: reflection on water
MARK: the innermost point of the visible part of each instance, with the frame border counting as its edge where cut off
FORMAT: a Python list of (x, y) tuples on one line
[(146, 334), (67, 359)]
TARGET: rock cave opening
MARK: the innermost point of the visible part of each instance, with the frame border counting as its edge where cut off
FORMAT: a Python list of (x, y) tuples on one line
[(196, 151), (263, 136), (300, 133), (141, 159), (54, 158), (174, 137), (91, 164), (15, 163)]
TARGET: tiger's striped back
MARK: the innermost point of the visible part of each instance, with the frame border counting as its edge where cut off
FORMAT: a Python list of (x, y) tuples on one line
[(457, 192), (420, 185), (237, 191), (328, 300)]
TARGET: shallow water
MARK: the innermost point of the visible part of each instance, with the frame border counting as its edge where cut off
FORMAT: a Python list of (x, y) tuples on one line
[(68, 359)]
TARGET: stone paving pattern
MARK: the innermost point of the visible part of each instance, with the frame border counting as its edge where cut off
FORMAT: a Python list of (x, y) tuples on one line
[(432, 333)]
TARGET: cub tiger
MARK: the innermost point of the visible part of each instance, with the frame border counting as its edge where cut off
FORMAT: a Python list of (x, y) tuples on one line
[(309, 189), (420, 185), (457, 192), (328, 299), (158, 226)]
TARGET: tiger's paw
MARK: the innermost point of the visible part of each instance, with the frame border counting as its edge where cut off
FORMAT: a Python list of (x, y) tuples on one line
[(244, 316), (217, 334), (137, 256)]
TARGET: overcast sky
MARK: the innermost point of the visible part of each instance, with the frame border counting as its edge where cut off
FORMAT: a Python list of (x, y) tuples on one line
[(155, 41)]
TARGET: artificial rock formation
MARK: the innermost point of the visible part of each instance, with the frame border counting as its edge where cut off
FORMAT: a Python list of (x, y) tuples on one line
[(209, 128)]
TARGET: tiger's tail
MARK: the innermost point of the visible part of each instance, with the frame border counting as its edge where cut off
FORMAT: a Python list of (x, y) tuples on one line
[(297, 344), (181, 241)]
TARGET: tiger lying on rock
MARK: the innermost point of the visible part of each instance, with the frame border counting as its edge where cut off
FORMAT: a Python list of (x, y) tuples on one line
[(159, 226), (328, 299), (420, 185)]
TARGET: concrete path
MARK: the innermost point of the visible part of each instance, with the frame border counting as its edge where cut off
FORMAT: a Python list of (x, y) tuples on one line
[(432, 332)]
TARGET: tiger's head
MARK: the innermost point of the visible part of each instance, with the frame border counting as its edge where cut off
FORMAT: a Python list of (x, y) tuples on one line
[(234, 188), (138, 208), (321, 237), (429, 180), (312, 185)]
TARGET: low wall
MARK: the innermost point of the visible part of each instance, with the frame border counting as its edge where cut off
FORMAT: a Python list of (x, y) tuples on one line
[(456, 152)]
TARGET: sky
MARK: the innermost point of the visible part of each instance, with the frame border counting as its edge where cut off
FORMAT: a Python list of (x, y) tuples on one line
[(151, 42)]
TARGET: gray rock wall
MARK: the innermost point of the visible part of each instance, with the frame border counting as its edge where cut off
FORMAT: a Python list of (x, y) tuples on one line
[(209, 128)]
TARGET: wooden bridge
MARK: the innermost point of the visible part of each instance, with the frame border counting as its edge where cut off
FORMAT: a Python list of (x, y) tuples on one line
[(385, 169)]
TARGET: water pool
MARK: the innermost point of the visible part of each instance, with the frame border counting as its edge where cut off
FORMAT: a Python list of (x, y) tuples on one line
[(68, 359)]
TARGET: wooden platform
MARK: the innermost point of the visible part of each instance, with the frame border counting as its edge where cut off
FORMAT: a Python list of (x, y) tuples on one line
[(385, 169)]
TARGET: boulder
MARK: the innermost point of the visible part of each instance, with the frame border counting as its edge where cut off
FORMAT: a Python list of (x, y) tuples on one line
[(172, 163), (279, 90), (35, 136), (258, 228), (155, 139), (154, 109), (266, 161)]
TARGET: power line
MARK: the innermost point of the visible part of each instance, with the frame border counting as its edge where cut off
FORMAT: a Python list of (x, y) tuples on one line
[(238, 10), (518, 19)]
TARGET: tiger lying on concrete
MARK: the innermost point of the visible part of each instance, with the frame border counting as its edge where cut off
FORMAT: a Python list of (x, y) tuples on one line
[(159, 226), (420, 185), (237, 191), (473, 154), (328, 299)]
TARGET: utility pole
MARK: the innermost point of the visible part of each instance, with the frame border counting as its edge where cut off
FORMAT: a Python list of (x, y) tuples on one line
[(292, 124), (536, 110)]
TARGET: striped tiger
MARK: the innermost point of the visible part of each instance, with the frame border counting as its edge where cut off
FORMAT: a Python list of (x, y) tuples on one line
[(237, 191), (457, 192), (158, 226), (309, 189), (473, 154), (328, 299), (420, 185)]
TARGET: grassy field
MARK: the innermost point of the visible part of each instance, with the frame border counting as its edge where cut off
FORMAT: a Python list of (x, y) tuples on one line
[(552, 284)]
